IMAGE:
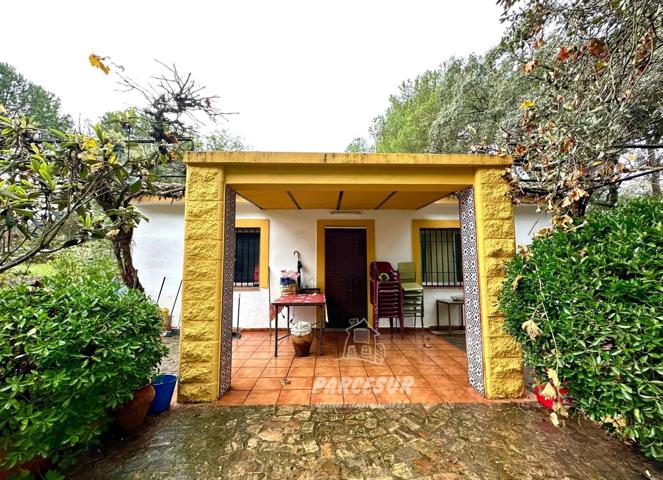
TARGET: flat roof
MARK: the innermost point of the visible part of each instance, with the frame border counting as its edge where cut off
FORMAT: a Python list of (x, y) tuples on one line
[(312, 158)]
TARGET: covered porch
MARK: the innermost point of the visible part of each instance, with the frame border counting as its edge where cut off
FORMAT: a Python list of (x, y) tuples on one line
[(352, 188)]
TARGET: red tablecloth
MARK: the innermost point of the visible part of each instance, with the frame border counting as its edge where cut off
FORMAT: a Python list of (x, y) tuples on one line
[(295, 299), (301, 299)]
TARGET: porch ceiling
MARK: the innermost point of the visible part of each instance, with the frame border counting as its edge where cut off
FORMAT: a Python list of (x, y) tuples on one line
[(297, 198), (333, 181)]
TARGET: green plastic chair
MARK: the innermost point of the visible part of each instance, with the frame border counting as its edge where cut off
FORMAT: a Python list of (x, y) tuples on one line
[(413, 293)]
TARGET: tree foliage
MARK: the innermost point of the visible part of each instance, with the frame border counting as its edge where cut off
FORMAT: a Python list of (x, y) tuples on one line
[(404, 126), (359, 145), (221, 140), (477, 98), (598, 74), (22, 97), (88, 182), (572, 89), (48, 181), (467, 105), (150, 141)]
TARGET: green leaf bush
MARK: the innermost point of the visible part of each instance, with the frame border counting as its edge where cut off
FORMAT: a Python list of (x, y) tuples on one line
[(72, 350), (595, 295)]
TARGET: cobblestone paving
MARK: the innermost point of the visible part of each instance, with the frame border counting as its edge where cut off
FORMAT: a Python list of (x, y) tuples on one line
[(443, 442)]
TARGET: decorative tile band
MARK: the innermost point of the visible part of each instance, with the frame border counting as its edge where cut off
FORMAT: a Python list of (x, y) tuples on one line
[(468, 235), (227, 290)]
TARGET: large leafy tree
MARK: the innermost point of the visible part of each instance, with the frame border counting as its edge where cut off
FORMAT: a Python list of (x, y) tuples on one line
[(60, 189), (48, 183), (476, 108), (404, 126), (22, 97), (150, 141), (599, 77), (468, 105)]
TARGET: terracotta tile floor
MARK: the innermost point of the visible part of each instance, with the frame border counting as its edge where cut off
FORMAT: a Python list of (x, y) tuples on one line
[(421, 368)]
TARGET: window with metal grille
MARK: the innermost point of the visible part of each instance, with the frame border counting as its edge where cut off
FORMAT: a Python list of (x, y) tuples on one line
[(441, 257), (247, 257)]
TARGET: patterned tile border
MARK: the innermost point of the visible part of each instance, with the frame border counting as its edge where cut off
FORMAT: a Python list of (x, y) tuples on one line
[(227, 290), (471, 281)]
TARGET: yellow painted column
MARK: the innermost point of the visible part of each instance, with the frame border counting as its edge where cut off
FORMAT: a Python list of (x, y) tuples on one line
[(201, 287), (503, 372)]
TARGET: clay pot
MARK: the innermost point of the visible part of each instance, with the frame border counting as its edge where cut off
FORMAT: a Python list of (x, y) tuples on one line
[(132, 413), (37, 466), (302, 344)]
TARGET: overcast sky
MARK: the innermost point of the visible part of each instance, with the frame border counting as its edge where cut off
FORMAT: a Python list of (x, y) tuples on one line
[(303, 75)]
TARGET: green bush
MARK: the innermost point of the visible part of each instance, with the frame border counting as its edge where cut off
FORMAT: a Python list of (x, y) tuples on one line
[(94, 258), (71, 351), (595, 297)]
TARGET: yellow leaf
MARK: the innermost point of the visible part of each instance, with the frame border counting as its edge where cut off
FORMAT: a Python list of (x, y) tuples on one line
[(527, 104), (2, 108), (549, 392), (554, 419), (516, 281), (552, 375), (97, 62), (531, 329)]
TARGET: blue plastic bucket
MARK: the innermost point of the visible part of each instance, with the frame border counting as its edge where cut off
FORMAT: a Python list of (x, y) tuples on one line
[(164, 386)]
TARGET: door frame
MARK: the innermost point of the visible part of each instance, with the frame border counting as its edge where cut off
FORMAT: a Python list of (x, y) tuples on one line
[(369, 225)]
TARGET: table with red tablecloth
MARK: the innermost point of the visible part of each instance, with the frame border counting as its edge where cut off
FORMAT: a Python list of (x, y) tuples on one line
[(316, 300)]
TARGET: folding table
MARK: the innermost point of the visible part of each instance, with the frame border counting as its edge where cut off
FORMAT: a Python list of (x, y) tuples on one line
[(316, 300)]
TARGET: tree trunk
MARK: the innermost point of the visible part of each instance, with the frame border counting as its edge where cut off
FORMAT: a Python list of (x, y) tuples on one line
[(655, 177), (579, 208), (122, 248), (613, 195)]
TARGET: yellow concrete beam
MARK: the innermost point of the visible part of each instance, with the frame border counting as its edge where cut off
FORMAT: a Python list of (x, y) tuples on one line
[(306, 158)]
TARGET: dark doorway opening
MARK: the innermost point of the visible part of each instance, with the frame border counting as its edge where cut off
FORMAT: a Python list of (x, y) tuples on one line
[(346, 280)]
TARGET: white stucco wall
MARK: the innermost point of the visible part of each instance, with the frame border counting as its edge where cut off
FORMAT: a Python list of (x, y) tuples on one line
[(158, 251)]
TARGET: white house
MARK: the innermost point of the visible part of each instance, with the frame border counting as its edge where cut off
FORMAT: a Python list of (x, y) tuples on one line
[(159, 247)]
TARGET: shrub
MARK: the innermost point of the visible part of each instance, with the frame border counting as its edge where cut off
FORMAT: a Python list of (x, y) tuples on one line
[(71, 351), (588, 304), (93, 259)]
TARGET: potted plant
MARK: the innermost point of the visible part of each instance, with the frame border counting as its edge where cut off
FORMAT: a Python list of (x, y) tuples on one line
[(132, 414), (79, 348)]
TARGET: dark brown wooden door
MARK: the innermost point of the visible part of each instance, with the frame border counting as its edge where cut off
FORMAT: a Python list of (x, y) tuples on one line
[(346, 282)]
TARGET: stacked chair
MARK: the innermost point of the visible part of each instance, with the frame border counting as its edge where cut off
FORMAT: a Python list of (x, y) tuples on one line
[(413, 293), (386, 295)]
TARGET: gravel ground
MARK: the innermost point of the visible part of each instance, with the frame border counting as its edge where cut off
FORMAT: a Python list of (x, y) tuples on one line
[(170, 363)]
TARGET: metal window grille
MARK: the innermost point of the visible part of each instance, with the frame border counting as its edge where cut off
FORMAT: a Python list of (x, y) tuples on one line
[(247, 257), (441, 257)]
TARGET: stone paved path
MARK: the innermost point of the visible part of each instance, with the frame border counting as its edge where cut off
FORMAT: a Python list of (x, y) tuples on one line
[(470, 441)]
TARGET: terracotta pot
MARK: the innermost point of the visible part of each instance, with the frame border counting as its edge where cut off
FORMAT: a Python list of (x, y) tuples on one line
[(132, 413), (37, 466), (302, 344)]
